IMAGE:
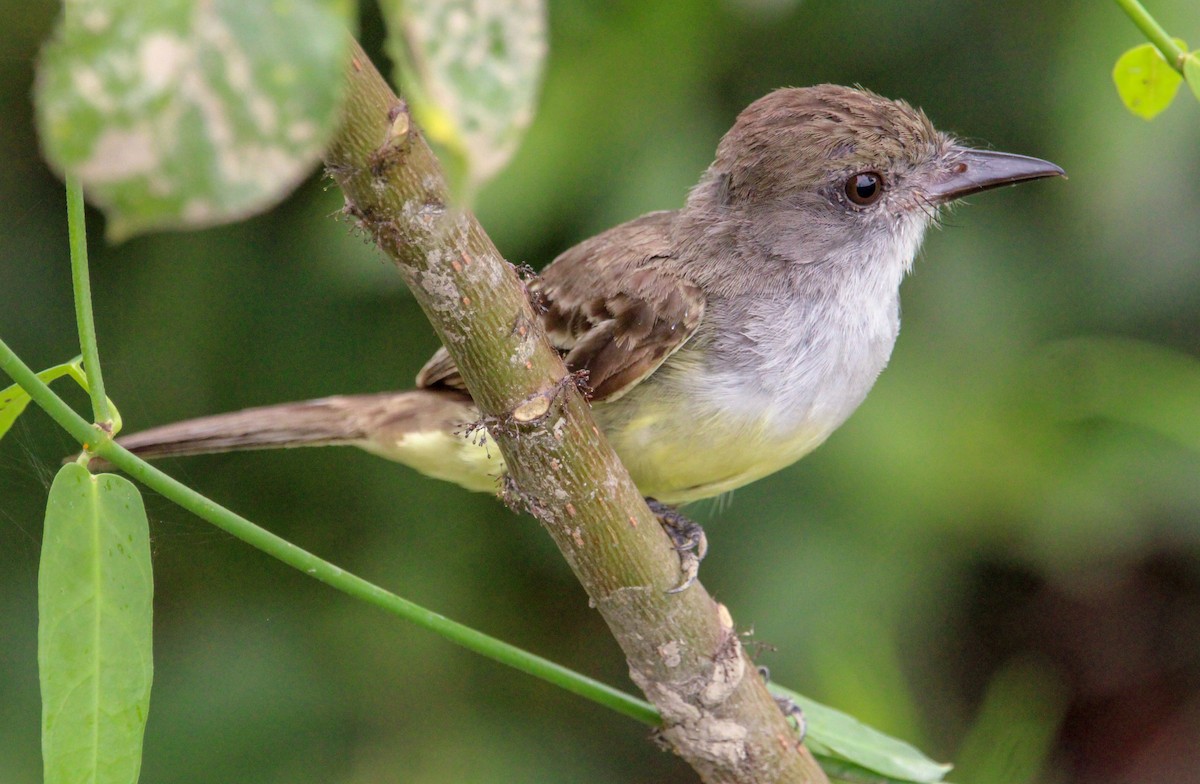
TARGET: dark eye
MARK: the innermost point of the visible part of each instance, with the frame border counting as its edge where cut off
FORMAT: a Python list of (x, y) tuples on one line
[(864, 188)]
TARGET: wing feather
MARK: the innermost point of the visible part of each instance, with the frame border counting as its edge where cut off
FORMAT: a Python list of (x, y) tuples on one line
[(614, 308)]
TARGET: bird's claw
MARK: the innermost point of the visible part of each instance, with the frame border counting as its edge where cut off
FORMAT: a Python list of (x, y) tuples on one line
[(792, 711), (688, 538), (789, 708)]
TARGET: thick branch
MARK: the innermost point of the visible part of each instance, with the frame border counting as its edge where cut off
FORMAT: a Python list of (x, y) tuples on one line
[(682, 649)]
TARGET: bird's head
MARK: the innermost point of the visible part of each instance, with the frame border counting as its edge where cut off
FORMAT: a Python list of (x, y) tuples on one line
[(827, 172)]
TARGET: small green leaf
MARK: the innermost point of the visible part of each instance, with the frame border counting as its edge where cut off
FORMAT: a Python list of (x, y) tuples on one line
[(188, 113), (1191, 72), (13, 400), (95, 596), (1145, 81), (834, 733), (471, 70)]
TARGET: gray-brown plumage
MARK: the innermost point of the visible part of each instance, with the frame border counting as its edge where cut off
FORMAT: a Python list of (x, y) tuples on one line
[(723, 341), (611, 308)]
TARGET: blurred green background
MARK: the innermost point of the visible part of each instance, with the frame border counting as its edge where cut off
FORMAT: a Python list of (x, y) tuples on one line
[(957, 565)]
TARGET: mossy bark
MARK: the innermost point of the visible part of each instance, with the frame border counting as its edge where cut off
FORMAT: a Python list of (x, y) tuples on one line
[(683, 649)]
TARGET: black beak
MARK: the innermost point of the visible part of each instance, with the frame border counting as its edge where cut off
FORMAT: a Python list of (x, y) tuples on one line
[(972, 171)]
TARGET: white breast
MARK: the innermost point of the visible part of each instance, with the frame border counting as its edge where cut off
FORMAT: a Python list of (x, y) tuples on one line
[(767, 379)]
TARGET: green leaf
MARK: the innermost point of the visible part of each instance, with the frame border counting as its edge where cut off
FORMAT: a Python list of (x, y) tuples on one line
[(471, 71), (94, 629), (188, 113), (1145, 81), (1126, 381), (1191, 72), (13, 400), (833, 733)]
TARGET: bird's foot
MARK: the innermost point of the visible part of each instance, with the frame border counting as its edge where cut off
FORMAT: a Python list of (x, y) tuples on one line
[(789, 708), (688, 538), (792, 711)]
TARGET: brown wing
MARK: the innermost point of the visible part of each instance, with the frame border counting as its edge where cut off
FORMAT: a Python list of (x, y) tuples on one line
[(613, 308), (440, 371)]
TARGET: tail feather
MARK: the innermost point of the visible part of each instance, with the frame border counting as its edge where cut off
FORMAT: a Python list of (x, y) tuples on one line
[(309, 423), (423, 428)]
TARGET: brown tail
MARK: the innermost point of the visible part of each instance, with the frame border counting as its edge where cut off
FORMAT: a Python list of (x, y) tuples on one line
[(360, 420)]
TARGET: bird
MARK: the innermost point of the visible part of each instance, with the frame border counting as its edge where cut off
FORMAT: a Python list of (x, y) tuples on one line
[(722, 341)]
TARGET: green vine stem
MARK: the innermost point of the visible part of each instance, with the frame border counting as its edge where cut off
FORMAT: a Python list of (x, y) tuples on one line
[(310, 564), (349, 583), (1154, 32), (77, 232)]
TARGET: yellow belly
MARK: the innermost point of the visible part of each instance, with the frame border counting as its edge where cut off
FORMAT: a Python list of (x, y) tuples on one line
[(677, 459), (675, 452)]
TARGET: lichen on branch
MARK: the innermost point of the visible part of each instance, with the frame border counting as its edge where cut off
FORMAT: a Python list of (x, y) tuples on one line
[(682, 649)]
